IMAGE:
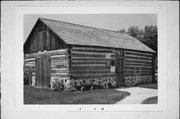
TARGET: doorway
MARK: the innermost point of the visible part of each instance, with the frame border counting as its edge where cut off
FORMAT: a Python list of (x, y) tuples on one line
[(119, 69), (42, 69)]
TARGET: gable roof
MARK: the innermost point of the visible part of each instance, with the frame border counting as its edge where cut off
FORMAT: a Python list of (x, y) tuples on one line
[(84, 35)]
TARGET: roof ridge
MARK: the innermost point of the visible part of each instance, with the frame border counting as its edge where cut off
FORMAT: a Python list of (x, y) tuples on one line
[(82, 25)]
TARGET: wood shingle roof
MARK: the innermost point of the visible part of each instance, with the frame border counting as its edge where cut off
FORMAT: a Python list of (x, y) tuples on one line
[(84, 35)]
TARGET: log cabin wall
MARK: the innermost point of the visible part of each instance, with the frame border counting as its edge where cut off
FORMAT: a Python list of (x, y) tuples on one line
[(138, 67), (92, 65), (43, 41), (29, 69), (74, 60), (59, 66)]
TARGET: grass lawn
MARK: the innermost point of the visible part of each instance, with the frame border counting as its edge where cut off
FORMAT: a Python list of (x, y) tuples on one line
[(152, 100), (47, 96), (152, 86)]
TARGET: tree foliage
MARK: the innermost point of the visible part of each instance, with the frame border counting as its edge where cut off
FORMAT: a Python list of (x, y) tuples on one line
[(122, 31), (148, 35)]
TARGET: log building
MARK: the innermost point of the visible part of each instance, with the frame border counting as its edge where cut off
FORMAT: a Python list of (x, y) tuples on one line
[(76, 54)]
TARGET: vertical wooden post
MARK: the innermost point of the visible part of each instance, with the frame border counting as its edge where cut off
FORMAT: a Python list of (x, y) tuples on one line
[(37, 72), (40, 71), (69, 58), (30, 77), (153, 68)]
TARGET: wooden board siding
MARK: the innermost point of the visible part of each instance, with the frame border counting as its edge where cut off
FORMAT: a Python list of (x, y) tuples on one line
[(138, 63), (42, 38), (89, 62)]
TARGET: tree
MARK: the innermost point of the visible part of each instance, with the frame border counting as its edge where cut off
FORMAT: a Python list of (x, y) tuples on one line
[(148, 35), (133, 31), (122, 31)]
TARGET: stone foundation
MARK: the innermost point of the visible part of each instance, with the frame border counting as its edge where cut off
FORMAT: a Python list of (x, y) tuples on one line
[(66, 83), (135, 80), (97, 81)]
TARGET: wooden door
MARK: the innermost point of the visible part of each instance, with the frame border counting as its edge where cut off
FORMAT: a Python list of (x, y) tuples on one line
[(43, 71), (119, 69)]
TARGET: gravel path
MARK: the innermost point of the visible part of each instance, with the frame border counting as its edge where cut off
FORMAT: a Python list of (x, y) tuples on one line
[(137, 95)]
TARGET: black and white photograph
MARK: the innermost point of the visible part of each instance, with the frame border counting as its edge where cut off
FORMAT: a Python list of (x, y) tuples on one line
[(90, 59), (82, 59)]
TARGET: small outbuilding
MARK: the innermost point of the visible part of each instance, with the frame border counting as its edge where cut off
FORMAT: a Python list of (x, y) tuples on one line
[(74, 55)]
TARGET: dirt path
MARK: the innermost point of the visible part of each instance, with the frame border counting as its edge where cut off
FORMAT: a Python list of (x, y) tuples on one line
[(137, 95)]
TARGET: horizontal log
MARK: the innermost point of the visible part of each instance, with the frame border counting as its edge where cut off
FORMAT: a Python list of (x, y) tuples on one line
[(59, 75), (138, 58), (138, 64), (59, 70), (126, 75), (140, 68), (77, 72), (91, 49), (146, 71), (63, 62), (29, 59), (137, 53), (138, 61), (90, 76), (88, 58), (87, 55), (30, 65), (59, 61), (97, 62), (59, 66), (90, 53), (88, 65), (29, 62), (146, 68), (33, 63), (62, 57), (50, 53), (138, 71), (32, 55), (58, 52), (63, 69), (89, 68)]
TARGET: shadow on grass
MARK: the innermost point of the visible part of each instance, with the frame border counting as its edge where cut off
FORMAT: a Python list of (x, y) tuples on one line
[(47, 96), (152, 86), (151, 100)]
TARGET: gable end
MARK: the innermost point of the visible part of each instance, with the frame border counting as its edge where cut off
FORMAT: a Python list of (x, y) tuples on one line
[(42, 38)]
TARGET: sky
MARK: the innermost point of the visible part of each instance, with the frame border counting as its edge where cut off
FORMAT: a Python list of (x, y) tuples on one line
[(105, 21)]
